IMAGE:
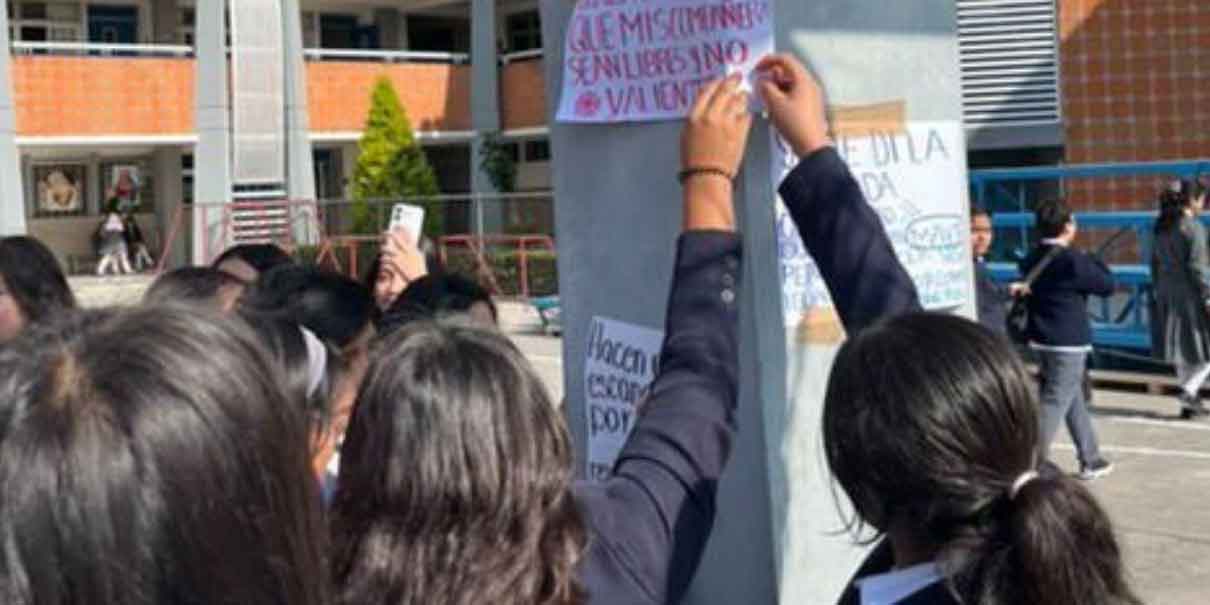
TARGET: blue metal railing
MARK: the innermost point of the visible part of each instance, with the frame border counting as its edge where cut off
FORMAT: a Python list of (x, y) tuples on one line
[(1011, 193)]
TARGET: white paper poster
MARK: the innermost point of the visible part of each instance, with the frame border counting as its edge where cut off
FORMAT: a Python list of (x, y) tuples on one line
[(644, 60), (916, 182), (622, 360)]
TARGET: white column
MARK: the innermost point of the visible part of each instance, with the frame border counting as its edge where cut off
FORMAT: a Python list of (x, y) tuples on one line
[(485, 99), (300, 163), (12, 198), (212, 155)]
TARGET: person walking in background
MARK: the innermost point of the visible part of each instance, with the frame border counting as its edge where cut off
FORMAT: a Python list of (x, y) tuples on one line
[(1180, 272), (112, 246), (992, 298), (1060, 332), (136, 244)]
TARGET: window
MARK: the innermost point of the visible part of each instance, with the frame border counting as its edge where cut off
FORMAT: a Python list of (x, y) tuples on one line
[(524, 31), (438, 34), (337, 31), (186, 26), (537, 151), (60, 189), (187, 178), (45, 22)]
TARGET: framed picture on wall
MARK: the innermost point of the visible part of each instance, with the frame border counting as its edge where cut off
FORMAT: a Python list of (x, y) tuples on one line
[(60, 189), (129, 184)]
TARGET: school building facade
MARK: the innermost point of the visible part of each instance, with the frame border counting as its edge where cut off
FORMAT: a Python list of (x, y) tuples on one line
[(103, 92)]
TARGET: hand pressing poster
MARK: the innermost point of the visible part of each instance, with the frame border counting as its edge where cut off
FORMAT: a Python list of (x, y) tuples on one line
[(622, 360), (644, 60)]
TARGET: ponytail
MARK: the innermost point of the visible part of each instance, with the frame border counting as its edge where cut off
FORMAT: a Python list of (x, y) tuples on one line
[(1056, 546)]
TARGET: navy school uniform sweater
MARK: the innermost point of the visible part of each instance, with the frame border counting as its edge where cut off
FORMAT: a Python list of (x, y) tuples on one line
[(649, 523)]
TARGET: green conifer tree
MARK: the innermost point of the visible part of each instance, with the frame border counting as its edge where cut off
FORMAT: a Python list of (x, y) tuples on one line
[(391, 165)]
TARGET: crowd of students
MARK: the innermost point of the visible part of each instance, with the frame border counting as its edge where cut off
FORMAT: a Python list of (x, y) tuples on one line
[(183, 451)]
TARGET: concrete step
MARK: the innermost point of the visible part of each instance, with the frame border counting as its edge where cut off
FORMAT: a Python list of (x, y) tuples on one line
[(110, 290)]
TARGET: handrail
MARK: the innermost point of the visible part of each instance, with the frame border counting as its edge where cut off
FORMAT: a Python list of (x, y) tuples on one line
[(522, 55), (388, 56), (1184, 168), (155, 50)]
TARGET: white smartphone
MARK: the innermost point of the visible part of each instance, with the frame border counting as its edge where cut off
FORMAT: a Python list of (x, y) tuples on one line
[(408, 217)]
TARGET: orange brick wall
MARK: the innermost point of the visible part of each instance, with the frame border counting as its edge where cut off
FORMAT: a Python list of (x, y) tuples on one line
[(523, 94), (436, 96), (81, 96), (1132, 91), (59, 96)]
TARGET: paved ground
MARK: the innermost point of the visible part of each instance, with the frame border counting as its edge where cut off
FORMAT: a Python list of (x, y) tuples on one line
[(1156, 497)]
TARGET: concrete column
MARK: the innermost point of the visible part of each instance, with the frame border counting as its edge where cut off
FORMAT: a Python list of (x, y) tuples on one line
[(300, 164), (390, 28), (164, 20), (12, 198), (212, 155), (775, 538), (169, 195), (485, 100)]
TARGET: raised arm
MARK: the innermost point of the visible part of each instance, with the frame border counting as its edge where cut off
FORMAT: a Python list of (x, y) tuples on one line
[(651, 520), (840, 230)]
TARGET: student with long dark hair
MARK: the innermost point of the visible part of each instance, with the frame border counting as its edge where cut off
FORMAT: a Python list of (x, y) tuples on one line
[(437, 295), (456, 480), (313, 373), (341, 313), (204, 286), (931, 429), (32, 285), (1180, 272), (151, 457), (247, 262)]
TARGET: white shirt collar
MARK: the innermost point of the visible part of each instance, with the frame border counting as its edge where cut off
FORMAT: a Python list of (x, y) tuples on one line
[(891, 587), (1054, 241)]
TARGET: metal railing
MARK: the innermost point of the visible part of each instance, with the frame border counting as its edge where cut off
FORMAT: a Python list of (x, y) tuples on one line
[(521, 55), (1121, 321), (104, 50), (385, 56), (183, 51), (506, 240)]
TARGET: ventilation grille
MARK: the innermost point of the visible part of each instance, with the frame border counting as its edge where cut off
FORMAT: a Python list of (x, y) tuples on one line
[(1010, 63)]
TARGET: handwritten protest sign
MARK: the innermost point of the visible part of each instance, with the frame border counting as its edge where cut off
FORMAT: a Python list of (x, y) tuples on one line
[(644, 60), (915, 180), (622, 360)]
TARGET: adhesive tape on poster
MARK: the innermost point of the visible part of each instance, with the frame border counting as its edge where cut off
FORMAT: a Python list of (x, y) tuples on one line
[(820, 326), (861, 120)]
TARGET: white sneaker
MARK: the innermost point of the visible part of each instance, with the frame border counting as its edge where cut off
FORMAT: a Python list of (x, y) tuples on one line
[(1096, 470)]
